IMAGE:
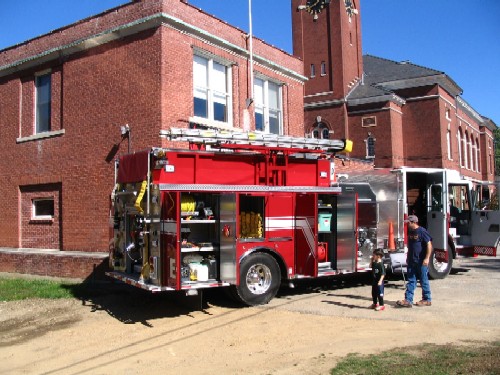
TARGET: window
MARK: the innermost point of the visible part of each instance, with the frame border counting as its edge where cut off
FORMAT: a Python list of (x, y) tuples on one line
[(211, 90), (367, 122), (323, 68), (43, 103), (459, 143), (447, 114), (370, 147), (448, 143), (313, 71), (43, 208), (478, 156), (465, 141), (321, 131), (470, 153), (268, 112)]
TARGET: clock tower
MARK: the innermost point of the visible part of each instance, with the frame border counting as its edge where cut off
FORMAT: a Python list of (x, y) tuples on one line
[(327, 36)]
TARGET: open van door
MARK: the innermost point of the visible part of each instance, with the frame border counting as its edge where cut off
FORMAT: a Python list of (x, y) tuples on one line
[(485, 228)]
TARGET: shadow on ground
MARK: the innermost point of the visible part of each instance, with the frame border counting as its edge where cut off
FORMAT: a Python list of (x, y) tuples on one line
[(131, 305)]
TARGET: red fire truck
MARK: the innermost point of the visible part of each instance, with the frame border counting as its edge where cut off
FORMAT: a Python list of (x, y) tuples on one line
[(249, 211), (242, 210)]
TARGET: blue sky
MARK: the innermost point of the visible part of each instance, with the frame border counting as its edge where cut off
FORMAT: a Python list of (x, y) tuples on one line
[(458, 37)]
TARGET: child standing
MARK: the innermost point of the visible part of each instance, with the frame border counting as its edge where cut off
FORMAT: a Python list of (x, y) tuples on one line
[(378, 273)]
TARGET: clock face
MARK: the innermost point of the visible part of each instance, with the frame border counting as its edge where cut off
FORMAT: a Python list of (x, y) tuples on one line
[(315, 6)]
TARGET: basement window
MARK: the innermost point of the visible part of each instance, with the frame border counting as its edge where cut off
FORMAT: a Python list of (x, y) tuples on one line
[(43, 209)]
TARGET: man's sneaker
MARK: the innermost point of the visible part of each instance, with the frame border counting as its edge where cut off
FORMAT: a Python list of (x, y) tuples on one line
[(423, 303), (373, 306), (404, 303), (380, 308)]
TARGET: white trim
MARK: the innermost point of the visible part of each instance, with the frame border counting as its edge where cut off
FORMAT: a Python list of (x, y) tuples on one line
[(466, 105), (376, 110), (39, 136), (212, 123), (370, 125), (318, 94), (33, 209)]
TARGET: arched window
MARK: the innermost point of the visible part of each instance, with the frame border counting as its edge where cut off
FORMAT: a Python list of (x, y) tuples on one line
[(472, 153), (320, 131), (370, 146), (459, 143), (466, 150), (478, 156), (470, 141)]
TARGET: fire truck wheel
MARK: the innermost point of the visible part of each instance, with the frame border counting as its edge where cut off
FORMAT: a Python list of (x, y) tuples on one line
[(439, 270), (260, 279)]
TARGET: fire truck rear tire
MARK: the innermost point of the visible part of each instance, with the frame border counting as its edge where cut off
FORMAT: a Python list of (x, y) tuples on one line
[(439, 270), (260, 279)]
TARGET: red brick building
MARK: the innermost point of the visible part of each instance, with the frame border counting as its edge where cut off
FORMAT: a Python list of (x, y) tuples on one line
[(152, 64), (64, 96), (396, 113)]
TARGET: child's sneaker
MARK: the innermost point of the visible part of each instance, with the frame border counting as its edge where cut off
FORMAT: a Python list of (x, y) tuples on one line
[(380, 308), (373, 306)]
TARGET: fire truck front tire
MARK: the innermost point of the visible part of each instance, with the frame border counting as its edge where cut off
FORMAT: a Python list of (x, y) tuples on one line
[(260, 279), (439, 270)]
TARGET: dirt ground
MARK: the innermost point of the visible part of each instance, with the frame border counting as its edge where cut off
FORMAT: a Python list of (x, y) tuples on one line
[(116, 329)]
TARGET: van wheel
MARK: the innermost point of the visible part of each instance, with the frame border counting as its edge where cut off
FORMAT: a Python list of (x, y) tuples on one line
[(439, 270), (260, 279)]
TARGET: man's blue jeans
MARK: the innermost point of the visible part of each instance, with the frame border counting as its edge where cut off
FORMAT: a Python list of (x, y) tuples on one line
[(417, 272)]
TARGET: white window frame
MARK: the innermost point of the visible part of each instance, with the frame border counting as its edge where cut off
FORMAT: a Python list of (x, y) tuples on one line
[(262, 105), (478, 156), (37, 125), (313, 71), (322, 130), (368, 121), (368, 156), (211, 92), (34, 214), (466, 150), (459, 143)]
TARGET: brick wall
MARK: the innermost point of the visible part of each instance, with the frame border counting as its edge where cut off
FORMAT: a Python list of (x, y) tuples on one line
[(140, 77), (75, 265), (40, 232)]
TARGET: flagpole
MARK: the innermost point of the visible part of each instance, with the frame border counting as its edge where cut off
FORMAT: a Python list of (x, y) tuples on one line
[(250, 36)]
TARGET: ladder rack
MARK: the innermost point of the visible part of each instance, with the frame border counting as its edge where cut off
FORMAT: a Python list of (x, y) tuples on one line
[(219, 138)]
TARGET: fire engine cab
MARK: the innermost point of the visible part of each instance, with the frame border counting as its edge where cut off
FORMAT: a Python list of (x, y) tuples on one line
[(245, 211)]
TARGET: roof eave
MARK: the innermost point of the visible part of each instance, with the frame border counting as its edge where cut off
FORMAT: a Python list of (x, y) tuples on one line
[(376, 99), (132, 28), (440, 79)]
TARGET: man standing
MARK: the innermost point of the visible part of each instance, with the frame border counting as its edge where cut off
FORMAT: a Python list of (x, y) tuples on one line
[(419, 254)]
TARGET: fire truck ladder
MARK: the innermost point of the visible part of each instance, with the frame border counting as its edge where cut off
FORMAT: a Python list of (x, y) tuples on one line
[(225, 139), (275, 148)]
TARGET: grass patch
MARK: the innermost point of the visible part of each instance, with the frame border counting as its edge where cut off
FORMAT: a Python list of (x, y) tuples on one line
[(19, 289), (428, 359)]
